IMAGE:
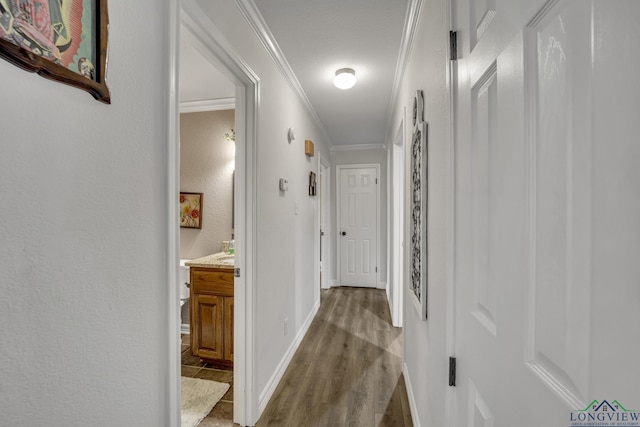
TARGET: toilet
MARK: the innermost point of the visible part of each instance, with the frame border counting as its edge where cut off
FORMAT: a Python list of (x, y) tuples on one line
[(183, 281), (183, 288)]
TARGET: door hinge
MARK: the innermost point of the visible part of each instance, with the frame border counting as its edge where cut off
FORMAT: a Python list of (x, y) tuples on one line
[(453, 45), (452, 372), (376, 180), (376, 269), (236, 272)]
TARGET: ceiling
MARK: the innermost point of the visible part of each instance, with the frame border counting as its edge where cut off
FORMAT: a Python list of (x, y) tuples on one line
[(317, 38)]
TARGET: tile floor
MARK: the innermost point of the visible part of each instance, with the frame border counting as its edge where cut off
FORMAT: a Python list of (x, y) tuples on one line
[(222, 414)]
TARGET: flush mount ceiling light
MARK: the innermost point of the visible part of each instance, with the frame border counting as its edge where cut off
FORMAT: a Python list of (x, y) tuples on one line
[(345, 78)]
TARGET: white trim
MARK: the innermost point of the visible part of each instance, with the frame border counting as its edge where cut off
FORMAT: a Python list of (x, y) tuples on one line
[(273, 382), (408, 35), (410, 396), (339, 169), (174, 342), (357, 147), (260, 27), (208, 105), (185, 329), (382, 285), (324, 175), (396, 221), (333, 283), (450, 228), (215, 48)]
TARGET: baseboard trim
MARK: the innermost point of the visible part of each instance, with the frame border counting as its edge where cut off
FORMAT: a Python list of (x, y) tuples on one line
[(412, 400), (273, 382), (185, 329), (333, 283)]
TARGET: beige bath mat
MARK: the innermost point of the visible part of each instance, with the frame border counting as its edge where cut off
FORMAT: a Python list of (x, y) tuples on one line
[(198, 398)]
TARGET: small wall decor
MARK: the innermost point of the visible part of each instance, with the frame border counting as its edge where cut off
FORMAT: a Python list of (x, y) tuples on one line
[(64, 41), (419, 217), (191, 210), (308, 148), (418, 108), (230, 136), (312, 183)]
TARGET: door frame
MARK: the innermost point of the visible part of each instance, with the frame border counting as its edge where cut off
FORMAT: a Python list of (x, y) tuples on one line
[(324, 213), (396, 230), (450, 248), (339, 169), (215, 48)]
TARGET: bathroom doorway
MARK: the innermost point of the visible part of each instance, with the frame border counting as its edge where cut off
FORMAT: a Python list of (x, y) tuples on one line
[(207, 41)]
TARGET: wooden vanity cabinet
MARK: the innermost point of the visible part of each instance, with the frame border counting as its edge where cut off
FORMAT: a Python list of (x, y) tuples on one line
[(212, 314)]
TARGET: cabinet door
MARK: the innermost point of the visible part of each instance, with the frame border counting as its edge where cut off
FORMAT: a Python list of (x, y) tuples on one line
[(228, 328), (207, 316)]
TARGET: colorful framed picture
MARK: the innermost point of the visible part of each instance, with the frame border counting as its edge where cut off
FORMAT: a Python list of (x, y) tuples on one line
[(190, 210), (61, 40)]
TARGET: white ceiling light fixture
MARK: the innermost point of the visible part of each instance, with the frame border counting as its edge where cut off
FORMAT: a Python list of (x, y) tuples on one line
[(345, 78)]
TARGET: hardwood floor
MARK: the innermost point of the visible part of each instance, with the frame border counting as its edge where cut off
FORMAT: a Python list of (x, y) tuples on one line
[(347, 370)]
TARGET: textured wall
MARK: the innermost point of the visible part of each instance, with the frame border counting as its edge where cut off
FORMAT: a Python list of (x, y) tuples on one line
[(206, 166), (83, 237)]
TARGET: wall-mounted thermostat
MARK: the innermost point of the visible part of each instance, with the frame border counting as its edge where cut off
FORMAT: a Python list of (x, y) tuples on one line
[(284, 184)]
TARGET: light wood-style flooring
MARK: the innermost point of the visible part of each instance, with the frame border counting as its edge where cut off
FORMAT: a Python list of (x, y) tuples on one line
[(347, 370)]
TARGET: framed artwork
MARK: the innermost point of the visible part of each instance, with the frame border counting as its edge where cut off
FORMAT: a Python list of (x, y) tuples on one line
[(418, 108), (190, 210), (62, 40), (419, 218), (312, 183)]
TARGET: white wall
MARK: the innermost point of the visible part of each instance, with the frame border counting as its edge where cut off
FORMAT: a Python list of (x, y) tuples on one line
[(353, 157), (207, 161), (287, 287), (424, 342), (82, 237)]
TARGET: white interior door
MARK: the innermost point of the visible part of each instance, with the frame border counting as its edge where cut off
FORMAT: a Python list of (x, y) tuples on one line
[(358, 225), (547, 208)]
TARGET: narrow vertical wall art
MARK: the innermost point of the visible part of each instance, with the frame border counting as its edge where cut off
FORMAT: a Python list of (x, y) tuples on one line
[(419, 217)]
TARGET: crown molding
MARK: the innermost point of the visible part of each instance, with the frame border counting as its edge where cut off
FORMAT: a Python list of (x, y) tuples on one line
[(255, 19), (208, 105), (357, 147), (410, 25)]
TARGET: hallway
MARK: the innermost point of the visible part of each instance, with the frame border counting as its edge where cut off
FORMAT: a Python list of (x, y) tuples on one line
[(348, 368)]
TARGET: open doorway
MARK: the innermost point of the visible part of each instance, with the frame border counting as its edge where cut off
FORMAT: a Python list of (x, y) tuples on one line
[(325, 221), (395, 290), (207, 167), (209, 42)]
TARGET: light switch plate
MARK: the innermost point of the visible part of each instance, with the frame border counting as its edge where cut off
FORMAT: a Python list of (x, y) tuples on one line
[(284, 184)]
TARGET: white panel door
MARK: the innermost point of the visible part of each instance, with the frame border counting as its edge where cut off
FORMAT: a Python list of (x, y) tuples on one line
[(358, 226), (547, 211)]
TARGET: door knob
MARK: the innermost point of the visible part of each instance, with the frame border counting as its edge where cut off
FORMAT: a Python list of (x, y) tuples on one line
[(344, 233)]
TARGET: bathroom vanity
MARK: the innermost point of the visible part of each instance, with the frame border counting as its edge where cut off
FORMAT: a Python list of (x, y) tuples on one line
[(211, 298)]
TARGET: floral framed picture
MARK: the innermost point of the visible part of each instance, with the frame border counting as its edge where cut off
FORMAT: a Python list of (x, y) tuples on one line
[(61, 40), (191, 210)]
